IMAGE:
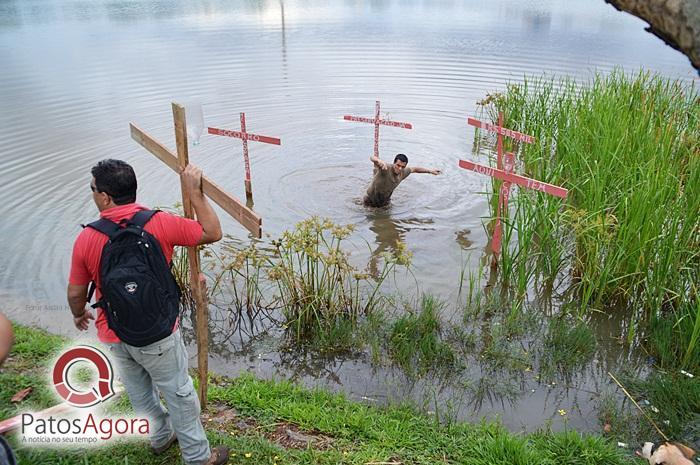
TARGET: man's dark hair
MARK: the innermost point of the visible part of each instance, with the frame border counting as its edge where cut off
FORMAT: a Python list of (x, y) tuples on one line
[(401, 157), (117, 179)]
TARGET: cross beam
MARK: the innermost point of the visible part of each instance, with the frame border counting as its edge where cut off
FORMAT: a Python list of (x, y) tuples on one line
[(234, 207), (245, 137), (377, 121), (501, 131), (509, 177), (524, 181)]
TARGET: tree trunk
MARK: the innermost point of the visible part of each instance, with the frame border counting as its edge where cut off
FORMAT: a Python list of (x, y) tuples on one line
[(676, 22)]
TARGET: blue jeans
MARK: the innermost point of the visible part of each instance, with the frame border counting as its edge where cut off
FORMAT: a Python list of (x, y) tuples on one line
[(162, 367)]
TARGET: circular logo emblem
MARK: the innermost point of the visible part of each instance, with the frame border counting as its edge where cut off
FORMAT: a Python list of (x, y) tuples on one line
[(131, 287), (99, 392)]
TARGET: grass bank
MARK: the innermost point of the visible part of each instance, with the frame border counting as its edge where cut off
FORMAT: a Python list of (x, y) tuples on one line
[(276, 422)]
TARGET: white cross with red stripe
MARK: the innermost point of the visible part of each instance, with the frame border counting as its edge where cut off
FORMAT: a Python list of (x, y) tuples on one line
[(245, 137), (505, 172), (377, 121)]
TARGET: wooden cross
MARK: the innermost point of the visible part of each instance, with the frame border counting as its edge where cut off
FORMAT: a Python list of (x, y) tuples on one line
[(245, 216), (377, 122), (509, 177), (245, 137)]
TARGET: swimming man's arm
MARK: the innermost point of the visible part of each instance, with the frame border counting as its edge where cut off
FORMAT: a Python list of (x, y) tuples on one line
[(418, 169), (378, 163)]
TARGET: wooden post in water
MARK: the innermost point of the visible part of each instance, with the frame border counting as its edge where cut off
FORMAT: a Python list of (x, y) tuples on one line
[(230, 204), (196, 284), (501, 170)]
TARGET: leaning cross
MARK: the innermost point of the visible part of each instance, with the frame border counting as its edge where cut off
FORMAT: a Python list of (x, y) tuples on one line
[(245, 137), (509, 177), (245, 216), (504, 191), (377, 121)]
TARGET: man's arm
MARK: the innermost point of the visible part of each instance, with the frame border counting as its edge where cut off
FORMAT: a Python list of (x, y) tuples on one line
[(378, 163), (6, 337), (206, 216), (418, 169), (77, 300)]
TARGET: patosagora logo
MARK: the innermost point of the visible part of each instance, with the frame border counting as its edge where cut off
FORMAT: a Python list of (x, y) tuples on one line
[(99, 392), (84, 424)]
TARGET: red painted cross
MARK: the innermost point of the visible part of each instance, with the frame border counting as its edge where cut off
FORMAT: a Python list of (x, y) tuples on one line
[(245, 136), (377, 121), (509, 177)]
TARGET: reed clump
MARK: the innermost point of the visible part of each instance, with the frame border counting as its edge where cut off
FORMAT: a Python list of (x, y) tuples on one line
[(628, 149), (318, 286), (303, 282), (415, 342)]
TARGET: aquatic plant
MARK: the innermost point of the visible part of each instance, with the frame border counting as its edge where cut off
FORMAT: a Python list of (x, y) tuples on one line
[(628, 236), (567, 346), (318, 286), (415, 343)]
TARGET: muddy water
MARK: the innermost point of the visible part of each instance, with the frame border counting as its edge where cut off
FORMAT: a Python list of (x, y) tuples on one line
[(75, 73)]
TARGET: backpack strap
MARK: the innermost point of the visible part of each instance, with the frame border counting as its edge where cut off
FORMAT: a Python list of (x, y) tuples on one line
[(105, 226), (142, 217)]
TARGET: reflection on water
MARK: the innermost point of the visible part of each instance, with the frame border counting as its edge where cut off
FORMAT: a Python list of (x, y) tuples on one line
[(388, 232), (74, 73)]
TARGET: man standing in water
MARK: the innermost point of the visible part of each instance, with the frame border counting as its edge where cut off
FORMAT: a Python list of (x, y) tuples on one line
[(388, 177)]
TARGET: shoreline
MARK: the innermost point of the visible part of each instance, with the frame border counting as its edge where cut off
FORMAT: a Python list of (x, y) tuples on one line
[(344, 431)]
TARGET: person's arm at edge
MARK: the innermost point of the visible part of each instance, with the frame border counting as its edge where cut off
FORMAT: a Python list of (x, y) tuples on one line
[(7, 338), (206, 216), (419, 170)]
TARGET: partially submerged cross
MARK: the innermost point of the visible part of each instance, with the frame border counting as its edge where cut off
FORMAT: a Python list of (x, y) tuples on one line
[(241, 213), (245, 137), (505, 172), (377, 121)]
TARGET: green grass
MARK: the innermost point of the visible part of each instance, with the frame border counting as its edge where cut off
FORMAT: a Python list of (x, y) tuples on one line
[(28, 367), (676, 396), (359, 434), (415, 343), (628, 236), (568, 345)]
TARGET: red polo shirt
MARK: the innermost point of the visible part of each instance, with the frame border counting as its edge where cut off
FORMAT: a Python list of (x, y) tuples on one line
[(170, 230)]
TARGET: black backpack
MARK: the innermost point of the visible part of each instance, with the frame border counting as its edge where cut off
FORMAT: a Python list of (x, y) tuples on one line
[(140, 296)]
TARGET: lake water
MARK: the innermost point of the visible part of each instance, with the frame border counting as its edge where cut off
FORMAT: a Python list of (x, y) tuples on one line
[(75, 73)]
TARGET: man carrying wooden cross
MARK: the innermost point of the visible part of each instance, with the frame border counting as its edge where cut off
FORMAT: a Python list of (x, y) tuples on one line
[(386, 178), (139, 299)]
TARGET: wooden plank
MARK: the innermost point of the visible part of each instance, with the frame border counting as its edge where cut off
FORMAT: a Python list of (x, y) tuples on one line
[(198, 287), (13, 423), (246, 136), (515, 178), (362, 119), (395, 124), (501, 130), (234, 207)]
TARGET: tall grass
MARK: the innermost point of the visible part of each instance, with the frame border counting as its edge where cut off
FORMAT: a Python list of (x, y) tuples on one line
[(628, 149), (304, 278)]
